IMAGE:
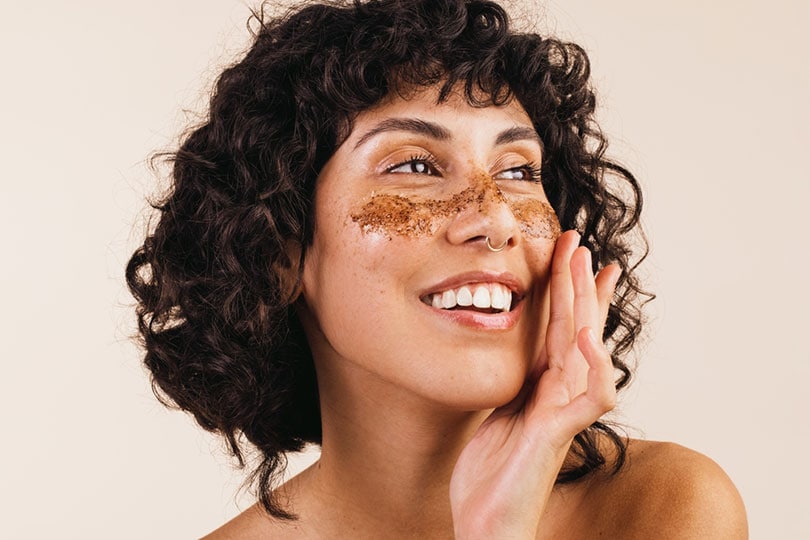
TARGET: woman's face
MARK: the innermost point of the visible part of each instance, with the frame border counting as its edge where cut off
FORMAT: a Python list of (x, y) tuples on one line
[(399, 285)]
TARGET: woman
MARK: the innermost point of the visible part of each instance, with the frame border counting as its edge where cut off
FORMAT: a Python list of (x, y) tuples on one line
[(363, 248)]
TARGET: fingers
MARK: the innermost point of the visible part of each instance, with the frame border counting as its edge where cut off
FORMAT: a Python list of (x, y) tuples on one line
[(586, 302), (605, 288), (578, 299), (600, 395), (592, 296), (601, 387), (578, 383), (561, 309)]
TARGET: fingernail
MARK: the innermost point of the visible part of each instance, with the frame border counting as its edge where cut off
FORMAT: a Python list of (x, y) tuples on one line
[(591, 336)]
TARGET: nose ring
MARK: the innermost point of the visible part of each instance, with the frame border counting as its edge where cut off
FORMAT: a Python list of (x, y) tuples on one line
[(496, 249)]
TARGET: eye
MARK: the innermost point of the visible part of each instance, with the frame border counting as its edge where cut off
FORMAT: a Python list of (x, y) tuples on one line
[(415, 165), (528, 172)]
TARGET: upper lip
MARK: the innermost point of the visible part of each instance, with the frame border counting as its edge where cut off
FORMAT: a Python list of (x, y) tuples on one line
[(479, 276)]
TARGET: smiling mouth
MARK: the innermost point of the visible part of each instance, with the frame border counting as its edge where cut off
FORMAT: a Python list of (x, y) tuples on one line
[(480, 297)]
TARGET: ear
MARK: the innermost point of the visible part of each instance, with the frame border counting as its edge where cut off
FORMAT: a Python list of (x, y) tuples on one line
[(288, 272)]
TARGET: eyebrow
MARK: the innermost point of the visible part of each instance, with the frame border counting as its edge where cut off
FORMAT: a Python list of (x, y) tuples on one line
[(413, 125), (435, 131), (518, 133)]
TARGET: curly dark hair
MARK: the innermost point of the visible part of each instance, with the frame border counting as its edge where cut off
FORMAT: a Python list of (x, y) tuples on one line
[(215, 314)]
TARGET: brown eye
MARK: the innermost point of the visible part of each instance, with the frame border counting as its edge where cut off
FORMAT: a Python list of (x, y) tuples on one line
[(418, 165), (527, 172)]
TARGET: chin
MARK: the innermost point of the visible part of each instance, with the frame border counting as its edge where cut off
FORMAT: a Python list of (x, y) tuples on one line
[(482, 386)]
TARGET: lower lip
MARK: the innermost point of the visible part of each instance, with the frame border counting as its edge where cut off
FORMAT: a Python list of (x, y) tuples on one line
[(484, 321)]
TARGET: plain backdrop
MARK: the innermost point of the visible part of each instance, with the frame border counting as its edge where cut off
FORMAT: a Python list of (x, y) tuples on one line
[(706, 101)]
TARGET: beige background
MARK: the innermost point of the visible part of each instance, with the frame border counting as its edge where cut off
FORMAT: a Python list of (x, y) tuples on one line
[(707, 102)]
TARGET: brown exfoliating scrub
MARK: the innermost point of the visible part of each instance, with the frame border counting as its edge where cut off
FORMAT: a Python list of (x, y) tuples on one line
[(537, 218), (417, 216)]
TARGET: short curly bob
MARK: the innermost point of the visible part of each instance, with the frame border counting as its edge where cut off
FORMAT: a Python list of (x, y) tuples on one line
[(217, 321)]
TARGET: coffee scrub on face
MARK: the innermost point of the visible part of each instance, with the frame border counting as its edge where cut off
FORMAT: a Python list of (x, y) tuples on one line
[(418, 217)]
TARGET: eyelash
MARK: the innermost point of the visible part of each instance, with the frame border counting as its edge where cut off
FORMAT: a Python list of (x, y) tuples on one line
[(427, 159), (532, 168)]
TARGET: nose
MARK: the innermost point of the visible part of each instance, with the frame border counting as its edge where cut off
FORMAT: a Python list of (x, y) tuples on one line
[(484, 217)]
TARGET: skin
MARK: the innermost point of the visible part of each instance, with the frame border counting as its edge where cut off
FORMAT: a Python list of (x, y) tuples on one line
[(442, 424)]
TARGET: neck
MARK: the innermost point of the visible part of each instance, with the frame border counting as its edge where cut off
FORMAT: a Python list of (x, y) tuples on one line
[(387, 457)]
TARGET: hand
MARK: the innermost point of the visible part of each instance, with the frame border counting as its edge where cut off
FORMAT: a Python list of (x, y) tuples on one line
[(504, 476)]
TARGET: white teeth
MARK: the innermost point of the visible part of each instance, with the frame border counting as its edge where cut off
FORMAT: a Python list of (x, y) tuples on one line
[(497, 298), (464, 297), (481, 297)]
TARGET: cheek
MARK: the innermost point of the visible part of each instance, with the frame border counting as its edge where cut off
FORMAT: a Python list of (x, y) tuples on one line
[(386, 215), (418, 217), (410, 218), (537, 219), (345, 268), (540, 230)]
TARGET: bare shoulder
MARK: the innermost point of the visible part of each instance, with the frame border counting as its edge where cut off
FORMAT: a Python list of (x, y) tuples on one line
[(254, 524), (668, 491)]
